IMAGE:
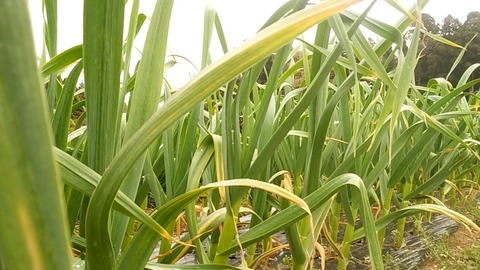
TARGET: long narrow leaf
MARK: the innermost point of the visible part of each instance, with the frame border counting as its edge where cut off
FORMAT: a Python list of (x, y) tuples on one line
[(33, 224)]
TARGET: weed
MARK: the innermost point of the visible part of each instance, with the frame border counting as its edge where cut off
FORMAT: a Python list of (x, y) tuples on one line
[(390, 261), (461, 250)]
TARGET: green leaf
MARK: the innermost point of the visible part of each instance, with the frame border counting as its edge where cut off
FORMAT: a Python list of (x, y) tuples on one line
[(138, 252), (85, 180), (33, 224), (61, 61), (414, 209), (209, 80), (293, 214), (61, 118), (143, 103), (102, 56), (215, 76)]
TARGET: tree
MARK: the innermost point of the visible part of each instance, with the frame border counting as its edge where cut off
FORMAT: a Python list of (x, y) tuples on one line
[(450, 25), (430, 24), (468, 31), (436, 58)]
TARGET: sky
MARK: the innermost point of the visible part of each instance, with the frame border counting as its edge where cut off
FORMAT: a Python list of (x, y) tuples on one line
[(240, 19)]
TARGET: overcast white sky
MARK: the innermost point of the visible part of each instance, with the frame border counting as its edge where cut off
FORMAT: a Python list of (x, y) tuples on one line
[(240, 19)]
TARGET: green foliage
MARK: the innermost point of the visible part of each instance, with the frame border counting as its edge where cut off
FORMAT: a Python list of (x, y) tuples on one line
[(33, 224), (437, 58), (460, 248), (303, 138)]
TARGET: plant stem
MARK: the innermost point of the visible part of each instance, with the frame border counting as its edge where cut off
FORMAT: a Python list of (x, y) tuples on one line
[(299, 258), (165, 244), (407, 188), (335, 220), (346, 243), (385, 210)]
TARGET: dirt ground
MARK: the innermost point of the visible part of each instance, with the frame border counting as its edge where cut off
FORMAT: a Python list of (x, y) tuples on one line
[(461, 250)]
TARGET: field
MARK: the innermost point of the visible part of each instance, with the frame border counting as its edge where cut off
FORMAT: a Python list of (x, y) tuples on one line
[(331, 143)]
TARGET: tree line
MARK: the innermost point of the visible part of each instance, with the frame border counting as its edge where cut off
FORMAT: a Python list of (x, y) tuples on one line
[(437, 58)]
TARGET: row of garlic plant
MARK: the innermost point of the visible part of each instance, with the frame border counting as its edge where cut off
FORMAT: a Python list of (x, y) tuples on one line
[(352, 133)]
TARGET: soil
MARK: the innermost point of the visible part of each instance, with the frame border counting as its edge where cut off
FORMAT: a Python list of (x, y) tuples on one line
[(411, 256)]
